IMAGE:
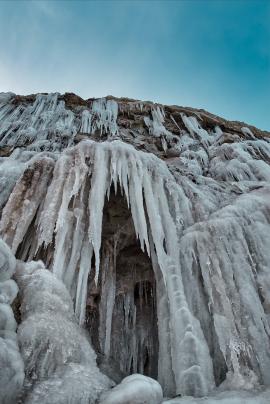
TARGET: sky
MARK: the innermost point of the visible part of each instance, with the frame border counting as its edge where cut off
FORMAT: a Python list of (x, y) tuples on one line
[(212, 54)]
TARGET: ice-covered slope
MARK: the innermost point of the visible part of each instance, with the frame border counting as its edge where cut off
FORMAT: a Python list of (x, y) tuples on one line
[(170, 276)]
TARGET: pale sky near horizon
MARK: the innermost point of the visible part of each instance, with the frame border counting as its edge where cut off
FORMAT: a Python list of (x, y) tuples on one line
[(211, 54)]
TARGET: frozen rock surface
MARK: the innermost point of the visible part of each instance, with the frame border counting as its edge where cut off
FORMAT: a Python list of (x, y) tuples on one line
[(156, 219), (134, 389), (11, 364), (60, 365)]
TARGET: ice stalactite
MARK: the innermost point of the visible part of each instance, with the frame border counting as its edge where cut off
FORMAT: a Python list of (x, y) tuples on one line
[(127, 307), (60, 364), (196, 130), (232, 274), (44, 125), (12, 367), (102, 117), (107, 302), (156, 126)]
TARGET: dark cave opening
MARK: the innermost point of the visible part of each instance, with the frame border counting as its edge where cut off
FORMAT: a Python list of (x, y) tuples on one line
[(133, 345)]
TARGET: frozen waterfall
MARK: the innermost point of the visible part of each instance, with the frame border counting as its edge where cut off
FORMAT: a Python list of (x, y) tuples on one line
[(172, 247)]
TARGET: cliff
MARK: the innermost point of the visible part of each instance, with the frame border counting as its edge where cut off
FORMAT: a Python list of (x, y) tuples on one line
[(156, 219)]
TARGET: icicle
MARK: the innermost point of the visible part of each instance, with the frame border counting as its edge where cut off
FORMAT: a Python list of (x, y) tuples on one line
[(99, 185), (107, 301), (206, 214), (84, 271), (38, 124), (194, 128)]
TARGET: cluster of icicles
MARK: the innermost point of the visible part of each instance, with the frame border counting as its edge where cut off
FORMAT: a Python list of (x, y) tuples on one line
[(203, 218), (48, 125), (210, 273), (72, 208)]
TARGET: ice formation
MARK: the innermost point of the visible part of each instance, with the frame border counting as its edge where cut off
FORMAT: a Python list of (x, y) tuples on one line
[(59, 362), (102, 117), (226, 397), (12, 368), (135, 389), (196, 190)]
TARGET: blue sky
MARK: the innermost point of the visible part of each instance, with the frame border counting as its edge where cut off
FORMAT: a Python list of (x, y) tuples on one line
[(205, 54)]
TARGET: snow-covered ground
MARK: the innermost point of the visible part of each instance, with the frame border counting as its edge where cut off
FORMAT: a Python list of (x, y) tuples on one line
[(227, 397)]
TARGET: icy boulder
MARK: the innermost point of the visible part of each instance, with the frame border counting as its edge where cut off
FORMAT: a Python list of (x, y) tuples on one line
[(60, 363), (11, 364), (134, 389)]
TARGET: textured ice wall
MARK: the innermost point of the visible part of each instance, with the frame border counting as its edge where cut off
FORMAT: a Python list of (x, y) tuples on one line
[(74, 207), (11, 364), (46, 123), (60, 365), (202, 215)]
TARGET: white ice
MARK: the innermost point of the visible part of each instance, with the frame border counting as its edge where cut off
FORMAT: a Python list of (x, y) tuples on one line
[(60, 364), (203, 218), (135, 389), (231, 397), (11, 364)]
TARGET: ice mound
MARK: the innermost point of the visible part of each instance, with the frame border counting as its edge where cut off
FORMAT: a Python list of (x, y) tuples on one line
[(60, 364), (11, 364), (134, 389)]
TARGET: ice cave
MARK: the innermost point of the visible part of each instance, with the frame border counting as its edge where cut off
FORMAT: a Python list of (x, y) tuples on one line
[(134, 254)]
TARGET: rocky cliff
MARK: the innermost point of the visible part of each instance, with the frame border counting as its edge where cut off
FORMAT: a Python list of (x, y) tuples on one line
[(156, 219)]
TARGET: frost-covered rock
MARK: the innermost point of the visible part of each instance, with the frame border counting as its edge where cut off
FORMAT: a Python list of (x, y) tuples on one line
[(60, 364), (169, 276), (134, 389), (11, 368)]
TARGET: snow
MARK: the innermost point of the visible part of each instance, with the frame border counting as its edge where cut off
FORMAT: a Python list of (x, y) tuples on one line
[(135, 389)]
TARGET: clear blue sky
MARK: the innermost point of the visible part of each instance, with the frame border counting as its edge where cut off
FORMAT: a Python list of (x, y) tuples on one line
[(206, 54)]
